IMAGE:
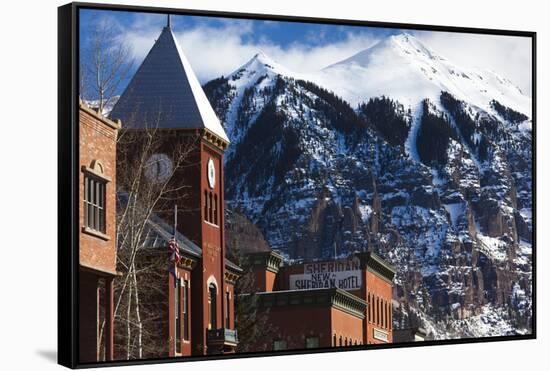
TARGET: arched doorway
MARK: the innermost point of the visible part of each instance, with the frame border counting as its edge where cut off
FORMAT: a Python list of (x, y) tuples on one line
[(212, 306)]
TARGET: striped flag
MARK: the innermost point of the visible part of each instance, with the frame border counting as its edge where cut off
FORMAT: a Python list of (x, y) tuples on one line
[(175, 248)]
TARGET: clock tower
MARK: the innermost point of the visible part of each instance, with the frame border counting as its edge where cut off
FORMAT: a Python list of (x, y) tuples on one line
[(166, 97)]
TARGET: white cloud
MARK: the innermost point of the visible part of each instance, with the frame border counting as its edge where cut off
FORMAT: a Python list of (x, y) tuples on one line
[(215, 50)]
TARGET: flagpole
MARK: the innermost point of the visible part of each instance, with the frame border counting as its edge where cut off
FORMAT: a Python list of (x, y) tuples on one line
[(175, 219), (176, 247)]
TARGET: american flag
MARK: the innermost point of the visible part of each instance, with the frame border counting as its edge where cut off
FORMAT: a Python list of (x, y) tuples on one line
[(175, 248)]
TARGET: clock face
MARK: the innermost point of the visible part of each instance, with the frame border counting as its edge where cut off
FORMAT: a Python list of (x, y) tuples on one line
[(158, 167), (211, 172)]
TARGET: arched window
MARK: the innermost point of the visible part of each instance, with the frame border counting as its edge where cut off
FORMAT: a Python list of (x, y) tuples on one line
[(334, 340), (341, 343), (212, 306)]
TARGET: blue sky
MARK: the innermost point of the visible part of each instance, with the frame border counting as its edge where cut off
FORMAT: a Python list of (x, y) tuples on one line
[(218, 46)]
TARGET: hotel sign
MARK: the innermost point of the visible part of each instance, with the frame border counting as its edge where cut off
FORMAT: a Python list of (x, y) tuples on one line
[(380, 335), (343, 274)]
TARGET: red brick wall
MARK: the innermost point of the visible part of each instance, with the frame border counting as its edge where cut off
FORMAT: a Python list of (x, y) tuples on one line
[(264, 280), (211, 268), (88, 317), (372, 284), (379, 319), (213, 251), (230, 289), (346, 326), (98, 142), (294, 323), (186, 345)]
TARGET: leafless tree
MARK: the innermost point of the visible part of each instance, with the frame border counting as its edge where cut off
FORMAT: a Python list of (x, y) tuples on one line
[(141, 194), (106, 61), (243, 238)]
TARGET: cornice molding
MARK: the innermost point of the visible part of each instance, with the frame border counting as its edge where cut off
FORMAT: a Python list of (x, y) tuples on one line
[(269, 260), (333, 297), (375, 264)]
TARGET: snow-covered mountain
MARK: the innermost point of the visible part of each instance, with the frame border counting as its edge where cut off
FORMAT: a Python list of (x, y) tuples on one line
[(432, 174), (404, 69)]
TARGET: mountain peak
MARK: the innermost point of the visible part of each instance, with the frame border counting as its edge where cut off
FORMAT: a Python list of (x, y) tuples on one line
[(262, 64), (262, 60), (412, 45), (262, 57), (403, 67), (404, 36)]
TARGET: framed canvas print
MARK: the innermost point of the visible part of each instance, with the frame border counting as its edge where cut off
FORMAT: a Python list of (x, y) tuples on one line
[(235, 185)]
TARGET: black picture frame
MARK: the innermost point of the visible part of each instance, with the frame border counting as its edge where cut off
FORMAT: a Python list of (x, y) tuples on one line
[(68, 170)]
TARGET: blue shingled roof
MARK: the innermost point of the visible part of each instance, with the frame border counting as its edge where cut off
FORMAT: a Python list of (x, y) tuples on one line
[(163, 233), (165, 93)]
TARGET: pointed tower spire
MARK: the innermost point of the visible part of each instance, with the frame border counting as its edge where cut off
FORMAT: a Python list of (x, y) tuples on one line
[(169, 21), (165, 93)]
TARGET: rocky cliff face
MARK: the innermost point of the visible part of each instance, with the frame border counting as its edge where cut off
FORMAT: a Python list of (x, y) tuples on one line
[(441, 189)]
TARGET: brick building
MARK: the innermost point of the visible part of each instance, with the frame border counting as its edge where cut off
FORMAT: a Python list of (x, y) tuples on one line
[(338, 303), (191, 300), (195, 308), (97, 226)]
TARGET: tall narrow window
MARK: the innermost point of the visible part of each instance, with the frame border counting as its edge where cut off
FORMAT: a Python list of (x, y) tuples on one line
[(212, 292), (369, 312), (205, 205), (185, 310), (383, 312), (216, 209), (386, 314), (210, 207), (94, 203), (377, 309), (389, 316), (177, 314), (227, 310)]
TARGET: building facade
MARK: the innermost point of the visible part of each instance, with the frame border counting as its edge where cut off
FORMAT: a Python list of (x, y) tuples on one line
[(337, 303), (187, 285), (97, 228), (165, 99)]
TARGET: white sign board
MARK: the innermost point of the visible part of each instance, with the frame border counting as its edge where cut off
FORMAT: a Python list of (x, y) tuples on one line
[(343, 274), (380, 335)]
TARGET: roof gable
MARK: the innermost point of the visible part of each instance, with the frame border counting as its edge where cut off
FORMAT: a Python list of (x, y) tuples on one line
[(165, 93)]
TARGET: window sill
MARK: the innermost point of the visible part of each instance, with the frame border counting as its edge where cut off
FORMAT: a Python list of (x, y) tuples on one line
[(95, 233), (212, 224)]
